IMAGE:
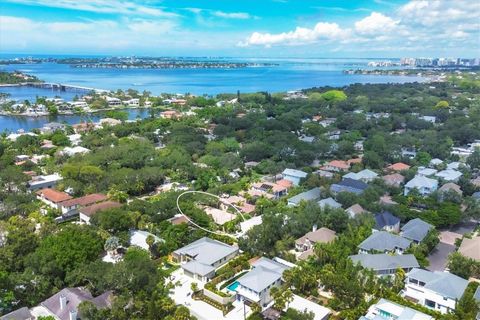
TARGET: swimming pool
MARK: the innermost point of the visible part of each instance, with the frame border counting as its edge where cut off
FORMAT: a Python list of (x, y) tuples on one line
[(233, 286)]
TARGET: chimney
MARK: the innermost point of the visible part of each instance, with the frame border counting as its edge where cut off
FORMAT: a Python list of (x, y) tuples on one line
[(73, 315), (63, 302), (314, 228)]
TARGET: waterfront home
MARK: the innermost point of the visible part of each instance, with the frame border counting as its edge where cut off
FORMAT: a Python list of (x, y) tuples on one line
[(64, 304), (436, 290), (355, 210), (310, 195), (384, 242), (201, 258), (387, 310), (134, 102), (52, 127), (255, 285), (416, 230), (170, 114), (393, 180), (52, 197), (387, 221), (294, 176), (86, 213), (44, 181), (70, 207), (349, 185), (109, 122), (385, 264), (113, 101), (422, 184), (470, 248)]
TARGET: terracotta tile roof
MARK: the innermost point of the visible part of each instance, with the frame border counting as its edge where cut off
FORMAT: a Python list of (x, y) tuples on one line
[(178, 219), (91, 210), (399, 166), (53, 195), (338, 164), (85, 200), (353, 161)]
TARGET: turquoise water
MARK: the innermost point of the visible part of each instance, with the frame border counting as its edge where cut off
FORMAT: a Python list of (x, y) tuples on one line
[(233, 286)]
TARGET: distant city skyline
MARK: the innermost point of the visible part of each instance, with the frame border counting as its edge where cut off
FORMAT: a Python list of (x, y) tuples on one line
[(267, 28)]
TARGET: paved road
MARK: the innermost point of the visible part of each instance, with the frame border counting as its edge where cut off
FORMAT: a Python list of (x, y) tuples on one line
[(439, 255)]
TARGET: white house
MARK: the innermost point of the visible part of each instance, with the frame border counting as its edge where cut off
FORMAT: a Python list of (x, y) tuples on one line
[(293, 175), (68, 151), (255, 285), (41, 182), (113, 101), (139, 238), (201, 258), (52, 198), (388, 310), (423, 184), (437, 290), (450, 175)]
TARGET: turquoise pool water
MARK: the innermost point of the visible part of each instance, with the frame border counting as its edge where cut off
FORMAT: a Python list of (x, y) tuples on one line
[(233, 286)]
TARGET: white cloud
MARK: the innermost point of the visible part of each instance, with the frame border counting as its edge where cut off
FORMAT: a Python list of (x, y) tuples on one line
[(321, 31), (375, 23), (101, 6), (231, 15)]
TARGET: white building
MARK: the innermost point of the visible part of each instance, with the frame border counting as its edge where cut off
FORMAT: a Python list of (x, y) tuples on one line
[(113, 101), (41, 182), (255, 285), (388, 310), (293, 175), (439, 291), (423, 184)]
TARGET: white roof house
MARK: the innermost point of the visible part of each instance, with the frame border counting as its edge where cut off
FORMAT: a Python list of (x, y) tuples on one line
[(200, 258), (139, 238), (365, 175), (302, 304), (423, 184), (293, 175), (41, 182), (75, 150), (449, 175), (386, 309), (422, 171), (250, 223)]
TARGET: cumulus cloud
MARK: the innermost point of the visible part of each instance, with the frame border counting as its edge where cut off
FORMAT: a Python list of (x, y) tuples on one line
[(375, 23), (418, 24), (321, 31)]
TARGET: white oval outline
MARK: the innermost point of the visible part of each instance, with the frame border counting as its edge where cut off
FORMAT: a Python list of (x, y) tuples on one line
[(208, 194)]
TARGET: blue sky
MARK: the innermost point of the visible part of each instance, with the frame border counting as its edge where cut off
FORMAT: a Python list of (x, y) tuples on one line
[(257, 28)]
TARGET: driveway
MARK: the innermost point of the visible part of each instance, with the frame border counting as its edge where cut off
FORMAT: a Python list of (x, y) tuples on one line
[(439, 256)]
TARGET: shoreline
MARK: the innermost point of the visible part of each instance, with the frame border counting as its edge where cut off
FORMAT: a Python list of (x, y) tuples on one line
[(44, 114)]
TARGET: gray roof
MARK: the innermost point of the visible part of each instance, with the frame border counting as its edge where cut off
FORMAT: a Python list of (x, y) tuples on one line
[(385, 261), (329, 202), (294, 173), (421, 181), (444, 283), (20, 314), (385, 219), (206, 250), (416, 229), (265, 272), (199, 268), (309, 195), (74, 297), (384, 241)]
